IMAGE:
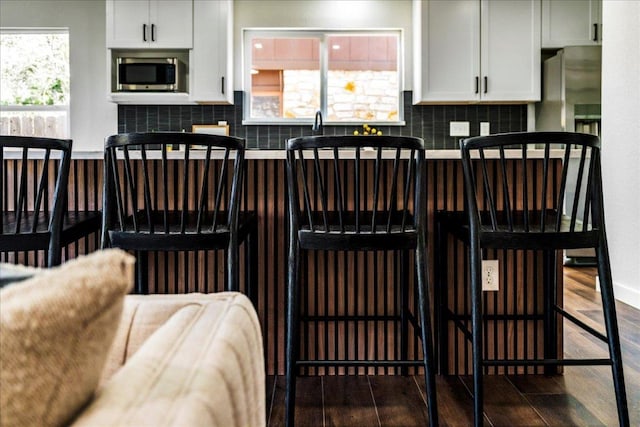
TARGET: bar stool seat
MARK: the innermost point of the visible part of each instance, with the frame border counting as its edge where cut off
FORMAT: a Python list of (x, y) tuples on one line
[(76, 225)]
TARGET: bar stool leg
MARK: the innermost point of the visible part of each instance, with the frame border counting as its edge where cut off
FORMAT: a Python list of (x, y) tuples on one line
[(404, 309), (476, 327), (55, 253), (142, 270), (426, 333), (252, 249), (233, 266), (440, 304), (611, 325), (292, 331), (550, 316)]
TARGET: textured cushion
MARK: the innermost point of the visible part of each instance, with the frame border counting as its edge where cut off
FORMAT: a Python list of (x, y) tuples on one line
[(203, 366), (56, 329), (141, 316)]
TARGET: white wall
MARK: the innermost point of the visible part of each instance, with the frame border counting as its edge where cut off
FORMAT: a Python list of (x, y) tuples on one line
[(92, 117), (325, 14), (621, 143)]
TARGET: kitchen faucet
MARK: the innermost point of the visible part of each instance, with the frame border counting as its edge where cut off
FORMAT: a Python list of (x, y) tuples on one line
[(317, 128)]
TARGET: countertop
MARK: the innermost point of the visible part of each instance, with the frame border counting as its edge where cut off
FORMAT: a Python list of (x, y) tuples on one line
[(253, 154)]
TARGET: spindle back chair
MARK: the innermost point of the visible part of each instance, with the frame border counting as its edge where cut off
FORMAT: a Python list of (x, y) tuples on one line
[(336, 203), (551, 214), (31, 211), (138, 213)]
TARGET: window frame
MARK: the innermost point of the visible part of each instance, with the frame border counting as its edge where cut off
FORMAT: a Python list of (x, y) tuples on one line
[(40, 107), (321, 34)]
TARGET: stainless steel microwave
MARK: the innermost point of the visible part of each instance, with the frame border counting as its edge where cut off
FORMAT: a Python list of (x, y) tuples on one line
[(149, 74)]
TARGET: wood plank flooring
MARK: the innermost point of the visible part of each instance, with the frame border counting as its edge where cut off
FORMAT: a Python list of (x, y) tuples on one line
[(582, 396)]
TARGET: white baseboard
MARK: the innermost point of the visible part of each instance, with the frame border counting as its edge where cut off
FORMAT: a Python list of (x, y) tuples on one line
[(623, 293), (627, 295)]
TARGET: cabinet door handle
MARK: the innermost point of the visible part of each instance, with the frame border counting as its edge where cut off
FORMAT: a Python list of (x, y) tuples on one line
[(144, 32), (486, 84), (222, 79), (595, 32), (153, 32), (477, 84)]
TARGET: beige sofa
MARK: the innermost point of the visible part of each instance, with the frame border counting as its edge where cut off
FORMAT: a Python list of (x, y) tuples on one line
[(75, 349), (191, 360)]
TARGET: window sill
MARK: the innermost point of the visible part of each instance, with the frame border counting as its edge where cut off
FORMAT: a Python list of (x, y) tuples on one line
[(309, 122)]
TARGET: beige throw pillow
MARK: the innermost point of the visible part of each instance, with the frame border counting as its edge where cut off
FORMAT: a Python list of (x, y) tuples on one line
[(55, 332)]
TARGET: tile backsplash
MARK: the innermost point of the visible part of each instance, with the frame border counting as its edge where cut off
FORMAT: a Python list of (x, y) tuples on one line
[(430, 122)]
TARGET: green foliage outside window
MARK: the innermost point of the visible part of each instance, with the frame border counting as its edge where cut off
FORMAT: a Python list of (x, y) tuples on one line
[(34, 68)]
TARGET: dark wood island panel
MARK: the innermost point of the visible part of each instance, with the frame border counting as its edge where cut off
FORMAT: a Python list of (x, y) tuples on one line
[(266, 193)]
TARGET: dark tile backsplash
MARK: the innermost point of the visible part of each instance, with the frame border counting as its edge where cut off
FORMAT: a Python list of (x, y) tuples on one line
[(431, 122)]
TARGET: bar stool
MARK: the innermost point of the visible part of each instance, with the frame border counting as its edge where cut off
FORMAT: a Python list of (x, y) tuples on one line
[(329, 210), (32, 213), (139, 216), (497, 221)]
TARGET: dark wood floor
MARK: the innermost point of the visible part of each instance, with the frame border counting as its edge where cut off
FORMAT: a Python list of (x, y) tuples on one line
[(583, 396)]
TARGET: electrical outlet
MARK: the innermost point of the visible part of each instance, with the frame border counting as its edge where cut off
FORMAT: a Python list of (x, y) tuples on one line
[(458, 128), (490, 275), (484, 128)]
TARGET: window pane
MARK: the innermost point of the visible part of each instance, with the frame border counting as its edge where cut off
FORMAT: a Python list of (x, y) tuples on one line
[(34, 83), (34, 69), (285, 77), (363, 78)]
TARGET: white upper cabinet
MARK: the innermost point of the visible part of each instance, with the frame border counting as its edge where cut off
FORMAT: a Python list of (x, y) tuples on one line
[(211, 59), (446, 50), (476, 51), (510, 50), (149, 24), (571, 23)]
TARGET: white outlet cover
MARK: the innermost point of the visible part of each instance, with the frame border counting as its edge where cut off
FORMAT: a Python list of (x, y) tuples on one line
[(490, 275), (458, 128), (484, 128)]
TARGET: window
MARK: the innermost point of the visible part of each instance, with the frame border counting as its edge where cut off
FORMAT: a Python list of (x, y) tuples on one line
[(34, 79), (352, 77)]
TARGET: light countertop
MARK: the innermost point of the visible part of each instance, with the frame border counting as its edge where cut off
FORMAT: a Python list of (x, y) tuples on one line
[(254, 154)]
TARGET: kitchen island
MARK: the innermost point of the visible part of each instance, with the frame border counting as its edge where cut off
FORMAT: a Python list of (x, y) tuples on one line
[(371, 275)]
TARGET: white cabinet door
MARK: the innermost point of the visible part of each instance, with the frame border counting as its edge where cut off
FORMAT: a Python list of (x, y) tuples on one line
[(211, 57), (476, 50), (149, 24), (446, 51), (128, 23), (571, 23), (510, 50), (171, 24)]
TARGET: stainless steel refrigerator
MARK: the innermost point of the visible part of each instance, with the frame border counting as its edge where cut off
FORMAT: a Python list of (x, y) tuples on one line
[(571, 98)]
